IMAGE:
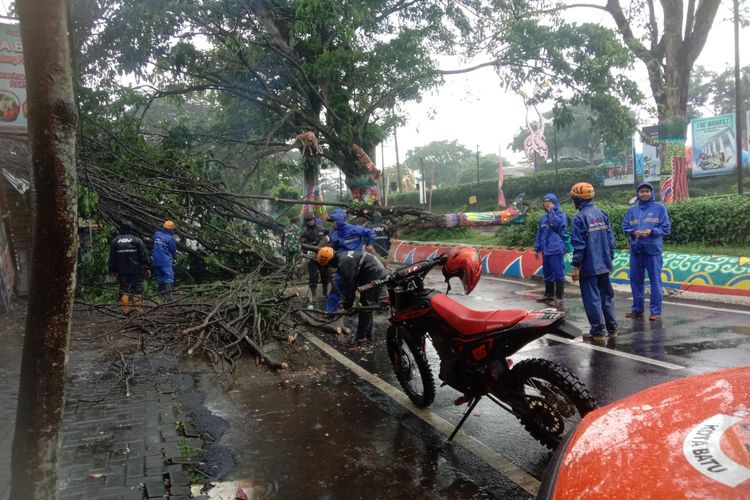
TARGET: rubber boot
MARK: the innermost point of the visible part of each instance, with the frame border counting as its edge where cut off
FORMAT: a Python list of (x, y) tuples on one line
[(137, 299), (549, 291), (168, 291), (313, 297), (125, 300), (559, 290), (162, 290)]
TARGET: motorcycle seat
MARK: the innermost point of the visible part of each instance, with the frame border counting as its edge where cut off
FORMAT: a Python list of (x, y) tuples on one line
[(471, 322)]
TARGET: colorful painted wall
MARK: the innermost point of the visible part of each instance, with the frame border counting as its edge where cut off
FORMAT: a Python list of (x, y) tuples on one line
[(698, 273)]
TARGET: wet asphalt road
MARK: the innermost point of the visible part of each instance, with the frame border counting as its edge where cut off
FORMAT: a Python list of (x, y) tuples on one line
[(325, 431)]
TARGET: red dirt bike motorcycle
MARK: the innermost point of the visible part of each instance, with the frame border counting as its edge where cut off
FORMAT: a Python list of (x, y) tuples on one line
[(473, 347)]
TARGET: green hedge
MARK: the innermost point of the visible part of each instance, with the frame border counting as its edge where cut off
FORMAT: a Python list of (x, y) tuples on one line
[(455, 198), (535, 186), (710, 221)]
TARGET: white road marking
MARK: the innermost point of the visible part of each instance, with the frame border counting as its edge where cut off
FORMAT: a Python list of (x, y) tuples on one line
[(709, 308), (506, 280), (479, 449), (594, 347)]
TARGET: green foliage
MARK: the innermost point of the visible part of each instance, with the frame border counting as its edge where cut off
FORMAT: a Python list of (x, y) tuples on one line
[(704, 225)]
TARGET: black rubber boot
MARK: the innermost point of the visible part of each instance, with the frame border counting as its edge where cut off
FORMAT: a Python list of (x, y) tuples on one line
[(559, 290), (549, 291)]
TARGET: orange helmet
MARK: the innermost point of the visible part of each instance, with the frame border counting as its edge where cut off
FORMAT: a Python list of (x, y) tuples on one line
[(463, 263), (582, 190), (325, 255), (168, 224)]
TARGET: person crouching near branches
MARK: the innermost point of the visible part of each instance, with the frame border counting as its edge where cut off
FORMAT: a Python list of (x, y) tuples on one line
[(646, 223), (128, 260), (593, 251), (355, 269), (552, 239)]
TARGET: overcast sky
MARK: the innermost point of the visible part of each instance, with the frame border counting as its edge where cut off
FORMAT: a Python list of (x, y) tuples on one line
[(476, 111)]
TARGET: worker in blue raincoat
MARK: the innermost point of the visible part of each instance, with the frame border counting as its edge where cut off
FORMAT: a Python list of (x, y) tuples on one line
[(165, 250), (552, 241), (646, 223), (346, 237), (593, 250)]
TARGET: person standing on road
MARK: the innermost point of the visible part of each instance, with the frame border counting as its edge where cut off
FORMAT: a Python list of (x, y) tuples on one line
[(314, 235), (593, 250), (382, 234), (346, 237), (552, 241), (646, 223), (355, 269), (128, 261), (165, 250)]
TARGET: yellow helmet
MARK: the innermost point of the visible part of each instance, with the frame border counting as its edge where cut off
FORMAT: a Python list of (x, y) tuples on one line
[(168, 224), (582, 190), (325, 255)]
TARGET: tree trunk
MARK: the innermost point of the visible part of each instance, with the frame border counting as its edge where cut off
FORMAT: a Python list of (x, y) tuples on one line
[(52, 129)]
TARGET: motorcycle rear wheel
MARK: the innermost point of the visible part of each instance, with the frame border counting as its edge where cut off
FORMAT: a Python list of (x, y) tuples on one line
[(411, 367), (552, 400)]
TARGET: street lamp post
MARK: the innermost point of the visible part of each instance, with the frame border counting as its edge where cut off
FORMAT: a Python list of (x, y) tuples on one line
[(477, 164)]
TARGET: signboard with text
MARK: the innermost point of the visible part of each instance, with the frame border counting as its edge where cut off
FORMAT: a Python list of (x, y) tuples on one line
[(13, 106), (714, 146)]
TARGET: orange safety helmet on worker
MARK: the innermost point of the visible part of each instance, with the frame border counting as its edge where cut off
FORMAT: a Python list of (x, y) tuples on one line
[(463, 263)]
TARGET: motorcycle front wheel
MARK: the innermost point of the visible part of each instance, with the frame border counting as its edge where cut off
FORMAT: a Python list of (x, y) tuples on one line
[(411, 367), (550, 401)]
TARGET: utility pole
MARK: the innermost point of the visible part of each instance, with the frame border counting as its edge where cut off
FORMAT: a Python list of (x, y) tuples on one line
[(737, 98), (382, 173), (398, 164), (424, 179), (477, 164)]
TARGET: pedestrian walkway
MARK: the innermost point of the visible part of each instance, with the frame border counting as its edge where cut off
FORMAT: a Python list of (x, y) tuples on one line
[(114, 446)]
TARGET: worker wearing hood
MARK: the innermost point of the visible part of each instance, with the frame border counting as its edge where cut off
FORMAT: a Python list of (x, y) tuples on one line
[(346, 237), (646, 223), (552, 241), (382, 234)]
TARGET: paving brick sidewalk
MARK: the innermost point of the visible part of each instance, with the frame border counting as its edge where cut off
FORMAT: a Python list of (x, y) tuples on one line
[(113, 446)]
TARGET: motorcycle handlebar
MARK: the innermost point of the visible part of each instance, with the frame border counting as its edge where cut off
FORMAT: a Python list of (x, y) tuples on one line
[(407, 272)]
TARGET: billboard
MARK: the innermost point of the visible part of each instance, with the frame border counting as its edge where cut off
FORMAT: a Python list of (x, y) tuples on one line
[(13, 106), (619, 166), (651, 154), (714, 146)]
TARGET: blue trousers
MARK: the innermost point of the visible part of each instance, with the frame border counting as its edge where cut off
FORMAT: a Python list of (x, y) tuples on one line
[(334, 296), (553, 267), (599, 303), (164, 275), (640, 263)]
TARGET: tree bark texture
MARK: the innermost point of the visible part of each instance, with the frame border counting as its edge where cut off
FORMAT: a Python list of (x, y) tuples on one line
[(52, 134)]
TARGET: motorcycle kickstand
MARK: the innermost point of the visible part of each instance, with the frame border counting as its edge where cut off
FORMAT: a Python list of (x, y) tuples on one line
[(466, 415)]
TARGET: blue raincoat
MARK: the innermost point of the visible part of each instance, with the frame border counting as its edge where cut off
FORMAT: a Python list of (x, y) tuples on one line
[(165, 250), (551, 239), (646, 251), (345, 237), (593, 251)]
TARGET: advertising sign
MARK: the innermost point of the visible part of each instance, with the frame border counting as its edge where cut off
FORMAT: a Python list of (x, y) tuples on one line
[(13, 106), (651, 154), (619, 163), (714, 146)]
